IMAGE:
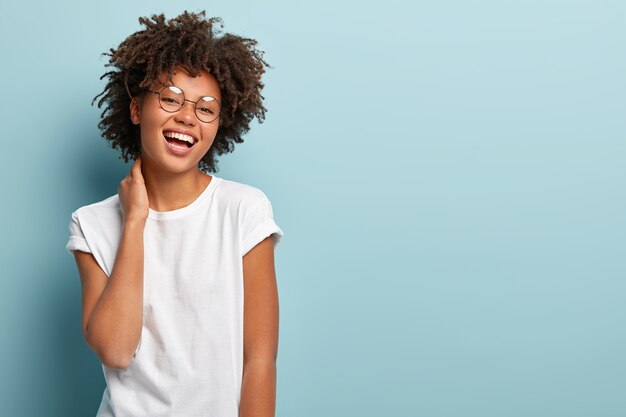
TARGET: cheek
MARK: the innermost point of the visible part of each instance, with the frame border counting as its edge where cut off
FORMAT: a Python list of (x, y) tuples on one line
[(209, 134), (150, 125)]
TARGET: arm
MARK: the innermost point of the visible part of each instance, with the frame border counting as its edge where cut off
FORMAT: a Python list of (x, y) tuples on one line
[(113, 306), (260, 340)]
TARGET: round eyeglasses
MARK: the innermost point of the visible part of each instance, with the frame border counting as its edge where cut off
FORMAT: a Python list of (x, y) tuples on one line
[(172, 99)]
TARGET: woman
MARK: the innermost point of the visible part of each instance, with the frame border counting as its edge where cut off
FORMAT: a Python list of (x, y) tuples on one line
[(179, 296)]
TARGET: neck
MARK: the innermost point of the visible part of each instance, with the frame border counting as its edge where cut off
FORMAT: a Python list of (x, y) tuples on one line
[(171, 191)]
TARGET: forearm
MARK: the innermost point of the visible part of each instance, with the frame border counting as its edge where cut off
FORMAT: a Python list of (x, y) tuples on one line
[(258, 389), (114, 327)]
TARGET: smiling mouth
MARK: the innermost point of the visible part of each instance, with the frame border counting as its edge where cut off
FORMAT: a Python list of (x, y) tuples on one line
[(179, 139)]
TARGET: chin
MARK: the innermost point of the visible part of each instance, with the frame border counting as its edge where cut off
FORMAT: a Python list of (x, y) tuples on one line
[(172, 164), (182, 168)]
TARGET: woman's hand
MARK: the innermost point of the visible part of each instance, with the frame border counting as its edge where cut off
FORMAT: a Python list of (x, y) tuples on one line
[(113, 305), (133, 194)]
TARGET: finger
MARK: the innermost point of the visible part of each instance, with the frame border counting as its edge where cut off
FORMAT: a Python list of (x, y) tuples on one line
[(136, 168)]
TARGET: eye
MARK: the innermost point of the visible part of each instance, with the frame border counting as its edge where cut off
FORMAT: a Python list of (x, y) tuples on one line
[(171, 102), (206, 110), (207, 106)]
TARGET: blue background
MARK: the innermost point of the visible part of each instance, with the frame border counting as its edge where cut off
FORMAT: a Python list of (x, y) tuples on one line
[(449, 176)]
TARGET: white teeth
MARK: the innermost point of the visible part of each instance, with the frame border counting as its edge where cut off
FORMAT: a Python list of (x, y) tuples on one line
[(179, 136)]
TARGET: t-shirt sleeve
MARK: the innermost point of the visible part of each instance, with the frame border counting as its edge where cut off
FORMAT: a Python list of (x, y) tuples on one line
[(77, 238), (257, 224)]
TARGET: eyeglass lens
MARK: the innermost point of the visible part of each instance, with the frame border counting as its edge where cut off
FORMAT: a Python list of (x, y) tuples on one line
[(172, 99)]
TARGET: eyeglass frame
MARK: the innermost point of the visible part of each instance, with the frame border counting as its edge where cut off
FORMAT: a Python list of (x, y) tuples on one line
[(195, 109)]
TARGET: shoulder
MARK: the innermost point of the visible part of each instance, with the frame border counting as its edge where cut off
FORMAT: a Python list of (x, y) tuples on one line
[(251, 212), (103, 210), (239, 195), (111, 203)]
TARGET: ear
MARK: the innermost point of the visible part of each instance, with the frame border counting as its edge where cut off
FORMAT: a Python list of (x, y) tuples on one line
[(135, 111)]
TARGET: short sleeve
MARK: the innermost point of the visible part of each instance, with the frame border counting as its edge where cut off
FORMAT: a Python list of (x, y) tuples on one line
[(257, 224), (77, 238)]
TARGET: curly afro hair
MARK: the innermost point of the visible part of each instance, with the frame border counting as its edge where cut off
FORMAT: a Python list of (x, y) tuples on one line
[(192, 42)]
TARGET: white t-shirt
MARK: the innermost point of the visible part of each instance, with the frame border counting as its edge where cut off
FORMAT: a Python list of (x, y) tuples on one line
[(189, 361)]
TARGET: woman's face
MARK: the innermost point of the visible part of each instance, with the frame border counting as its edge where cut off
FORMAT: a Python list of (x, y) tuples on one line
[(164, 135)]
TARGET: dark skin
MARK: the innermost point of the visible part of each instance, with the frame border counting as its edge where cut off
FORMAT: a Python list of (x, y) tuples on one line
[(258, 390), (112, 307), (192, 42)]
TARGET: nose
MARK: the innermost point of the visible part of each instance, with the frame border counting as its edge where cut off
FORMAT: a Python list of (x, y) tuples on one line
[(187, 114)]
